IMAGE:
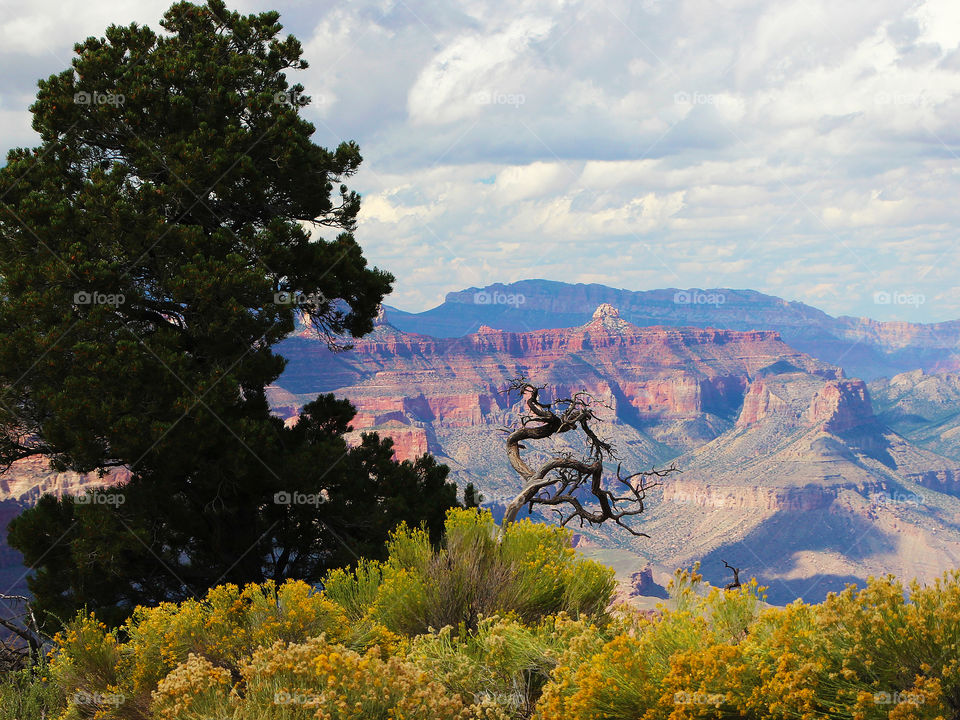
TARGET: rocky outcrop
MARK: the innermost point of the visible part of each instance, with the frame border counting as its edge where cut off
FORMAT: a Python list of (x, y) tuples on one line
[(642, 584), (775, 499), (945, 480), (758, 403), (922, 407), (841, 405)]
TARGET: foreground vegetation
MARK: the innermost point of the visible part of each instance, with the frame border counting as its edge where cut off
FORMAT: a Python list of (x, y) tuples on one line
[(522, 628)]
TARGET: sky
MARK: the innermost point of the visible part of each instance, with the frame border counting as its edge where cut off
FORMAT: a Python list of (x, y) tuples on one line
[(806, 149)]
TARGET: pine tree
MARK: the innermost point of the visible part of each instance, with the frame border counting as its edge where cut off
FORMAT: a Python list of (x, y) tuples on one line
[(153, 249)]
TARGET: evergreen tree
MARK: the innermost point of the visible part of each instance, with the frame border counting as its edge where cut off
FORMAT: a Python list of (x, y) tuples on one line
[(159, 242)]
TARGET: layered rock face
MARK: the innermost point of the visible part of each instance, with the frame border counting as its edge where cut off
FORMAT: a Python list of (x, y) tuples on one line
[(865, 348), (841, 405), (782, 457), (655, 381), (30, 478), (732, 497)]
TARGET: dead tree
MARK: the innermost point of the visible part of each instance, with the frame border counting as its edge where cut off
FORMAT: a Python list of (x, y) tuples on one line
[(736, 577), (566, 480), (22, 644)]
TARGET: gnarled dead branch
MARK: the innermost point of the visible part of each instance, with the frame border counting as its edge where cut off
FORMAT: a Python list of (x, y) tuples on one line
[(736, 576), (567, 481), (22, 644)]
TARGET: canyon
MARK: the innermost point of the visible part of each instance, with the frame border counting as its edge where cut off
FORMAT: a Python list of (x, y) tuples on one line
[(791, 467), (787, 471)]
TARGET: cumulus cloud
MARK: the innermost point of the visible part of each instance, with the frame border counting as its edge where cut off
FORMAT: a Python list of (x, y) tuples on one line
[(805, 148)]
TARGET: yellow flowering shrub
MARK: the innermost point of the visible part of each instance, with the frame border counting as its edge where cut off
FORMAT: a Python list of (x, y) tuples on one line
[(84, 665), (224, 628), (889, 653), (860, 655), (683, 663), (523, 633), (314, 679), (192, 691)]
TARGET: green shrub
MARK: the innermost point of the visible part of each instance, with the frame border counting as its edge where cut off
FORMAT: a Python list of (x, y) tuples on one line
[(503, 661), (531, 573), (30, 695)]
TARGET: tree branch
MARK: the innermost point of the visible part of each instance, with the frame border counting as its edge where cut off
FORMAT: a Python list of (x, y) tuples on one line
[(565, 481)]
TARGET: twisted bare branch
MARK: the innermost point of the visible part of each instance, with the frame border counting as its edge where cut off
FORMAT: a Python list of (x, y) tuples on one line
[(736, 576), (24, 627), (566, 481)]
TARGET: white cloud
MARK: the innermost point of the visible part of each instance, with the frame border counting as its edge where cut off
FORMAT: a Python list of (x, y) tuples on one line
[(473, 71), (809, 149)]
